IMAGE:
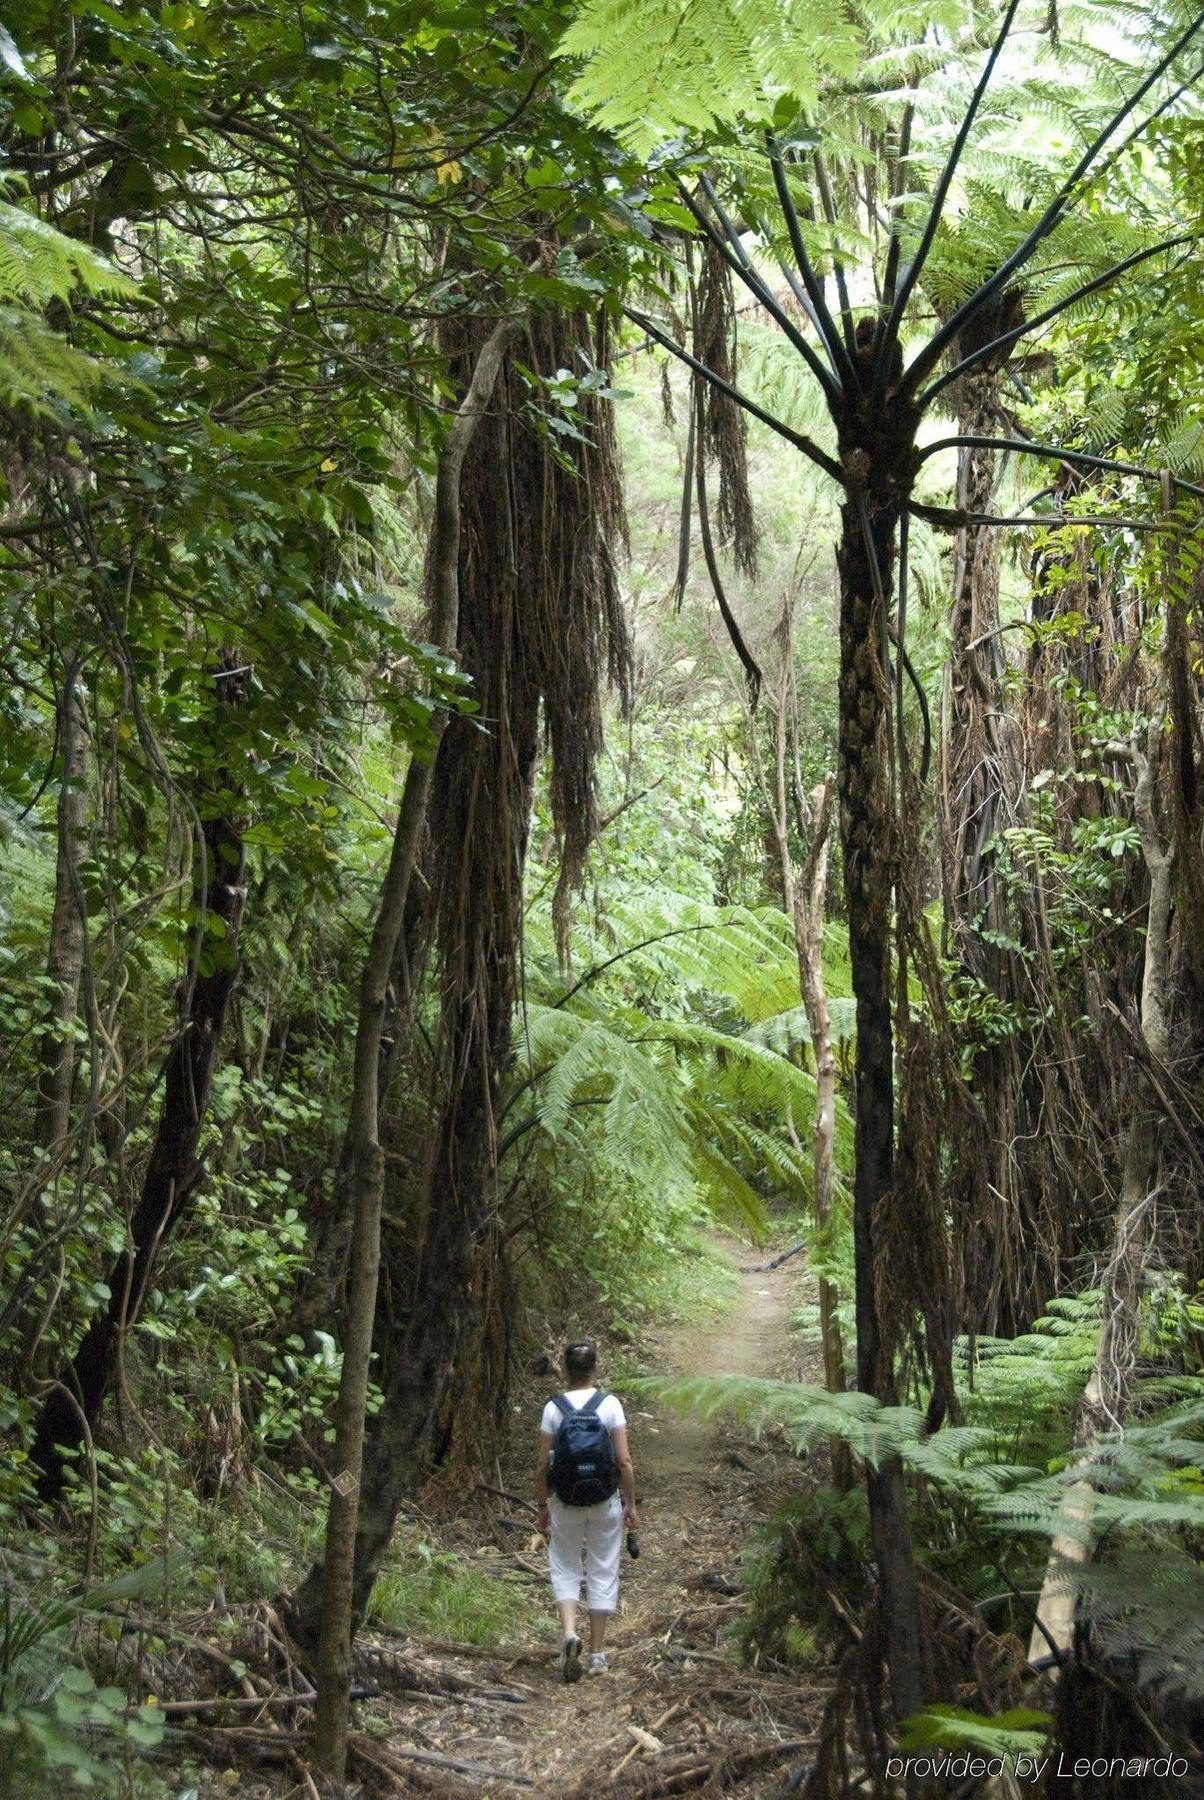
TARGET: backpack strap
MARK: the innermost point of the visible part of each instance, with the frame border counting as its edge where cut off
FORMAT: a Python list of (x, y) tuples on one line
[(565, 1406)]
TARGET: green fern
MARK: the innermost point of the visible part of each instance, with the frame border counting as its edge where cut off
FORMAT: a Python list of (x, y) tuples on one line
[(1021, 1732), (1148, 1604), (39, 264), (39, 370), (655, 68), (1138, 1475), (712, 1088)]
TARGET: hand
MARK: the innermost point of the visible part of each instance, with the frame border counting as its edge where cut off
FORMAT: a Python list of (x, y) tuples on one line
[(630, 1517), (543, 1518)]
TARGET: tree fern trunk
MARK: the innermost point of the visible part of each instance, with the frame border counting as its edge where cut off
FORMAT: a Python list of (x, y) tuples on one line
[(865, 560)]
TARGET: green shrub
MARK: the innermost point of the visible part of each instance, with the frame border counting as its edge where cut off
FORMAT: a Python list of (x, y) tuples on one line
[(814, 1547), (438, 1594)]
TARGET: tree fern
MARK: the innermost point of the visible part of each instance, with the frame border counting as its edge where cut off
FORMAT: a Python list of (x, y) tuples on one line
[(39, 369), (1148, 1605), (709, 1086), (39, 264), (657, 67)]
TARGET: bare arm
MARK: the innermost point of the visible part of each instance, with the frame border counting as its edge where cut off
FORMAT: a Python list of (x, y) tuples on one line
[(626, 1472), (541, 1480)]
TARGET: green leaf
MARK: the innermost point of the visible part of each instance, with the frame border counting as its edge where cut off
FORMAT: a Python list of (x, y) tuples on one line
[(143, 1734), (11, 56), (1019, 1732)]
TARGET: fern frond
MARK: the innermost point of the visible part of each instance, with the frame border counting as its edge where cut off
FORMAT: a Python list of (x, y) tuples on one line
[(39, 369), (605, 1069), (654, 69)]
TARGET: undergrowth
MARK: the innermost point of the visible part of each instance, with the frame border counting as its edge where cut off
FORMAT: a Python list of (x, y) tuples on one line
[(989, 1496), (810, 1558), (428, 1592)]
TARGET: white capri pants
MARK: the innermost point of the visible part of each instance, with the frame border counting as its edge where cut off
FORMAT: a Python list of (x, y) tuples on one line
[(594, 1533)]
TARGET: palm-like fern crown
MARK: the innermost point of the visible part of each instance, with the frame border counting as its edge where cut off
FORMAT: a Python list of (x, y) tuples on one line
[(864, 109)]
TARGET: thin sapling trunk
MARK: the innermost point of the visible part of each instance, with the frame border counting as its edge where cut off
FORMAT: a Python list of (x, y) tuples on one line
[(176, 1169), (337, 1620)]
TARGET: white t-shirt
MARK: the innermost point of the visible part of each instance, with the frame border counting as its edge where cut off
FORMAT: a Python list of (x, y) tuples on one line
[(610, 1412)]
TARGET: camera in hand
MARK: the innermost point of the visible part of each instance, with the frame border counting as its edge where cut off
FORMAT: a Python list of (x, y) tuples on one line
[(633, 1545)]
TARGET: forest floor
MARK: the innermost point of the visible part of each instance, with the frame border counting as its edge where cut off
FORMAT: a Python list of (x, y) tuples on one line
[(678, 1711)]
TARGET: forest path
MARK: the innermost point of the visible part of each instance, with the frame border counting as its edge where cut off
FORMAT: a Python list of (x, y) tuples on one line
[(709, 1723)]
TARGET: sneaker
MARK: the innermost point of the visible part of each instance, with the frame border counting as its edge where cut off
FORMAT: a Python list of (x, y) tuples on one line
[(570, 1659), (597, 1664)]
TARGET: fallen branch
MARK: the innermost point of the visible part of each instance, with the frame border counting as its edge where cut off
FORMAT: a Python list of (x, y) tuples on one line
[(414, 1678), (502, 1493), (697, 1771), (500, 1653), (235, 1702), (775, 1262), (455, 1765)]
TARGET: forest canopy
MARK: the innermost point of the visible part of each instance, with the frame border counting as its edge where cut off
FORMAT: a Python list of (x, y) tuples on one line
[(602, 644)]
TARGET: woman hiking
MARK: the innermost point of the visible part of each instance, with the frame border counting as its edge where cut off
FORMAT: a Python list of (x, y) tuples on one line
[(584, 1459)]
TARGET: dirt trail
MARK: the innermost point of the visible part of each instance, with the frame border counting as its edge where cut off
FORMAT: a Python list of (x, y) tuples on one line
[(721, 1728), (751, 1339)]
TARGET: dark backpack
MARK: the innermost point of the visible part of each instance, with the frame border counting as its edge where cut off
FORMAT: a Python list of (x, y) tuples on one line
[(584, 1470)]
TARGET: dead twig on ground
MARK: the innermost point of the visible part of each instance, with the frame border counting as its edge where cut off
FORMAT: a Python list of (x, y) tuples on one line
[(657, 1725), (694, 1770), (385, 1756), (775, 1262)]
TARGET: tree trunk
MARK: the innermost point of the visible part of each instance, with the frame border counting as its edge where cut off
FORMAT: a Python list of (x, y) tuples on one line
[(319, 1300), (805, 894), (413, 1425), (865, 561), (980, 784), (174, 1172), (539, 620), (807, 908), (338, 1609), (974, 747), (1105, 1398), (407, 1433), (1181, 659), (65, 955), (57, 1052)]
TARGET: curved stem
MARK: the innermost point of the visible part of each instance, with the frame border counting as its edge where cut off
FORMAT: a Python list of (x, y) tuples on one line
[(895, 243), (1076, 458), (840, 358), (828, 202), (737, 259), (747, 660), (809, 449), (937, 205), (1051, 312), (932, 352)]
